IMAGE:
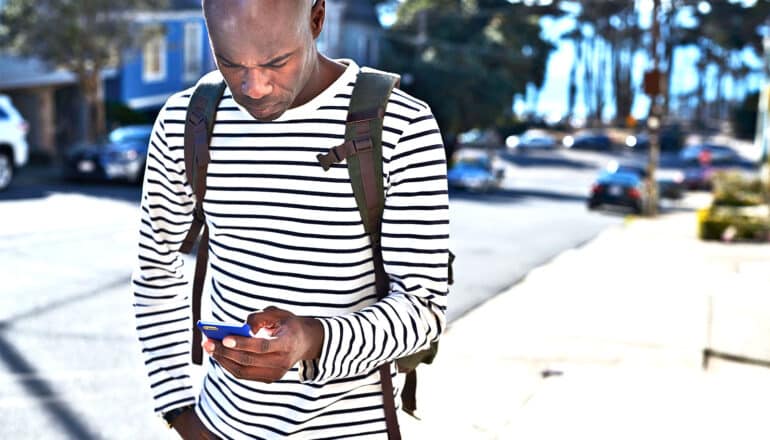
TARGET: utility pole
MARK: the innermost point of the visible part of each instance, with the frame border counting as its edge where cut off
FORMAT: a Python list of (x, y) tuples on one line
[(652, 86), (762, 139)]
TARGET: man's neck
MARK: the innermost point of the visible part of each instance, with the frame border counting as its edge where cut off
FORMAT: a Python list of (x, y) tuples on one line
[(325, 73)]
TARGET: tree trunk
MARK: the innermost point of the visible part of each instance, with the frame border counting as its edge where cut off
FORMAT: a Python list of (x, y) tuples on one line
[(669, 59), (599, 88), (588, 77), (615, 65), (572, 89), (624, 59), (93, 92), (701, 93), (716, 112)]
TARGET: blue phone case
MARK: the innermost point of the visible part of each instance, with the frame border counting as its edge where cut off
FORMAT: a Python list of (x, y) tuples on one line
[(218, 330)]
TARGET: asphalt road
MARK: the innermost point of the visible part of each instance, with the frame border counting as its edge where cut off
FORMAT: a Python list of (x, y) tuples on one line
[(68, 358)]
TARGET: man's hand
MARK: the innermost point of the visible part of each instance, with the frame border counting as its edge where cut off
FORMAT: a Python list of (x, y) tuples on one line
[(282, 340), (190, 427)]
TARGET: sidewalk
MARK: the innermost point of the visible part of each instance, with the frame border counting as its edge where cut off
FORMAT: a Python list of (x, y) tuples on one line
[(605, 342)]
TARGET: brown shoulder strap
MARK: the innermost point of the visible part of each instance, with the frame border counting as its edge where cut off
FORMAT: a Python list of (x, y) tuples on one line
[(201, 115), (363, 151)]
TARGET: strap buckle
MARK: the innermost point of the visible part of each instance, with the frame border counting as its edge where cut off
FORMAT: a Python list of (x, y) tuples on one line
[(361, 143)]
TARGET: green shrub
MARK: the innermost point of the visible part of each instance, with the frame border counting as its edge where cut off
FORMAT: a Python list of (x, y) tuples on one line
[(731, 188), (751, 225)]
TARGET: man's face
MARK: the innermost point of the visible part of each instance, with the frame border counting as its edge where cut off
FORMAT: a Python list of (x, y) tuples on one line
[(265, 50)]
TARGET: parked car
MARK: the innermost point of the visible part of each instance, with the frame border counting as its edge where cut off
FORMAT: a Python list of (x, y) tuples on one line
[(475, 170), (122, 156), (14, 150), (618, 189), (700, 177), (670, 139), (670, 182), (712, 153), (587, 140), (531, 139)]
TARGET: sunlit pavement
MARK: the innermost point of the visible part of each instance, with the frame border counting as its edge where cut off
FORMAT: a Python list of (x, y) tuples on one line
[(69, 361), (605, 342)]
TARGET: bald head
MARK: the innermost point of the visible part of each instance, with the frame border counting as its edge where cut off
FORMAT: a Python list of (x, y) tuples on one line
[(244, 15)]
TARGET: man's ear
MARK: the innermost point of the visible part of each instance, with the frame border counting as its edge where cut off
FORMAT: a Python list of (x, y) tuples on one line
[(317, 16)]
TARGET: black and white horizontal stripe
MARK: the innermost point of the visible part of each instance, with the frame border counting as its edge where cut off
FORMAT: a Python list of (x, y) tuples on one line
[(284, 232)]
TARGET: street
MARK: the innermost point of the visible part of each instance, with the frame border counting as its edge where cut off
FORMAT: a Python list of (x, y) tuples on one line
[(69, 364)]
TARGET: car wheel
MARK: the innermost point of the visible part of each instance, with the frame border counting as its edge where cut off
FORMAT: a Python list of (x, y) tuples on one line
[(139, 178), (6, 170)]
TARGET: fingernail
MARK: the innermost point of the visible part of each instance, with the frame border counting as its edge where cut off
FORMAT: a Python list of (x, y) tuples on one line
[(228, 342)]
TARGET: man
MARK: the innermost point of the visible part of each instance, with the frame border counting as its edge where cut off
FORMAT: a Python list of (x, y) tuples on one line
[(288, 251)]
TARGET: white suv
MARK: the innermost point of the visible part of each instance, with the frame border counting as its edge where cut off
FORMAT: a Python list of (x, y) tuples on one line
[(14, 150)]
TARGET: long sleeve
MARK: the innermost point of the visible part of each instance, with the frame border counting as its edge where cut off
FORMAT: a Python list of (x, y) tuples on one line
[(415, 235), (160, 290)]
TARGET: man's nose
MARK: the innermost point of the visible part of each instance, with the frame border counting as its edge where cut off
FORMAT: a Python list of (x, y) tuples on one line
[(256, 84)]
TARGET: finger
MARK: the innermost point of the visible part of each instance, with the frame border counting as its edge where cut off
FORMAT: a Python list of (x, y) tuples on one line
[(251, 359), (261, 374), (256, 345)]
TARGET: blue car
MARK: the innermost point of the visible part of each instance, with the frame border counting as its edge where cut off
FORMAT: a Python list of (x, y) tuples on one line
[(122, 156), (475, 174)]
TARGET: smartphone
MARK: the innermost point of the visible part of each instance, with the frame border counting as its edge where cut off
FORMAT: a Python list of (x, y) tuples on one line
[(218, 330)]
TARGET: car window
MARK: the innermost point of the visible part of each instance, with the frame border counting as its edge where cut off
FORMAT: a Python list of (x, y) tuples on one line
[(3, 114), (478, 162), (130, 134), (631, 170)]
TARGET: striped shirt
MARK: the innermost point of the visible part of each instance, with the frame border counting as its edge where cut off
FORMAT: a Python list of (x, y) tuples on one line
[(286, 233)]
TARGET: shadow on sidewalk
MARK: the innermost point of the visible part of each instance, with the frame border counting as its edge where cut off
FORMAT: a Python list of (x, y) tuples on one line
[(42, 391), (514, 195), (40, 181), (545, 161)]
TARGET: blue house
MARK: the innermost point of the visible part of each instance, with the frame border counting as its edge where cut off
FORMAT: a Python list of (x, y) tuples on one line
[(174, 58)]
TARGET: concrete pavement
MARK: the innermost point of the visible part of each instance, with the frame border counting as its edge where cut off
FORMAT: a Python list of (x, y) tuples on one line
[(606, 342)]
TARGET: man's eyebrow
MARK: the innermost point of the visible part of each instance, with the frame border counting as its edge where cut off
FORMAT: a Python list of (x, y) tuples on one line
[(278, 59), (226, 60), (271, 62)]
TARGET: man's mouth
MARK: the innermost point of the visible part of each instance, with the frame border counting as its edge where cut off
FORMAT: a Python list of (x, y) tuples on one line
[(265, 112)]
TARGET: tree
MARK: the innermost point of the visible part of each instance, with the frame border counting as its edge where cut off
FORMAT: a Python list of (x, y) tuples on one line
[(606, 37), (468, 59), (83, 36), (722, 31)]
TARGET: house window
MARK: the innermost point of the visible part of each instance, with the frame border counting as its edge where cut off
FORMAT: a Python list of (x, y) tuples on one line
[(154, 58), (193, 51)]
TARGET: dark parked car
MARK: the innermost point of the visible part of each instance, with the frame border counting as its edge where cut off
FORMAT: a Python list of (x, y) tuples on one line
[(588, 141), (122, 156), (713, 153), (670, 182), (700, 177), (623, 189), (670, 138)]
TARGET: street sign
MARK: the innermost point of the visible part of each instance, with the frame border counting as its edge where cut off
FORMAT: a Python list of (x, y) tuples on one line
[(652, 82)]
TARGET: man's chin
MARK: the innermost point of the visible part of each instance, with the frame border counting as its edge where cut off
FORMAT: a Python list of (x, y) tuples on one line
[(266, 115), (266, 118)]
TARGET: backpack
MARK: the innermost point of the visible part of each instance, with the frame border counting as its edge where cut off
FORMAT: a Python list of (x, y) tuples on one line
[(362, 149)]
